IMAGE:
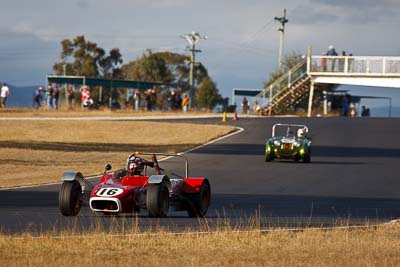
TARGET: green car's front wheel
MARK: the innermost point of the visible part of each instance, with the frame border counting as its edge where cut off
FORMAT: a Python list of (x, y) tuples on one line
[(268, 156), (307, 156)]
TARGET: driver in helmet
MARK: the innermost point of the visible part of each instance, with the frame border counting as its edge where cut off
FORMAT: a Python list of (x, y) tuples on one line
[(135, 165), (301, 133)]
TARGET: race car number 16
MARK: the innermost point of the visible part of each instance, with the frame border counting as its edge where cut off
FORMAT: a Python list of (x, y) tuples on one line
[(109, 192)]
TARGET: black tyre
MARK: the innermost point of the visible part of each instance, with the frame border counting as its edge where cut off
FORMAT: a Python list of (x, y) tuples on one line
[(70, 198), (268, 156), (157, 200), (197, 204), (307, 156)]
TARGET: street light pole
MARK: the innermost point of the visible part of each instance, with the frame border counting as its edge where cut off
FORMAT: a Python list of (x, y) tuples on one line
[(192, 38), (283, 21)]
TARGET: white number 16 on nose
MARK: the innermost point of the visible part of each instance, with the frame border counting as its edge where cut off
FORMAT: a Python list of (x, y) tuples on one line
[(109, 192)]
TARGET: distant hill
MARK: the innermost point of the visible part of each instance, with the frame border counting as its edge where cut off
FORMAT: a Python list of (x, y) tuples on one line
[(21, 96), (384, 112)]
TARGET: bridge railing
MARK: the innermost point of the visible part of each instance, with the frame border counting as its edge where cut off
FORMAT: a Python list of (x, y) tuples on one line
[(355, 65)]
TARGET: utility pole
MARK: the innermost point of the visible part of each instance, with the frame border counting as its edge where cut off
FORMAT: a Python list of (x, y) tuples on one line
[(192, 38), (65, 85), (282, 21)]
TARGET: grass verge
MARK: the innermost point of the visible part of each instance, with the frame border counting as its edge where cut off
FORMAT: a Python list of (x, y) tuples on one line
[(40, 151), (311, 247)]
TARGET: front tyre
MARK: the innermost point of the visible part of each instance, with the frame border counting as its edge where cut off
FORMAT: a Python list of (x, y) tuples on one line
[(157, 200), (268, 156), (70, 198), (307, 156), (197, 204)]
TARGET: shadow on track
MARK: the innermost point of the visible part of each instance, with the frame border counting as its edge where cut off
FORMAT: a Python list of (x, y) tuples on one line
[(239, 204), (319, 151)]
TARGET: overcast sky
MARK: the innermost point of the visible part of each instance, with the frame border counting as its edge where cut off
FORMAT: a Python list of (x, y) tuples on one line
[(242, 45)]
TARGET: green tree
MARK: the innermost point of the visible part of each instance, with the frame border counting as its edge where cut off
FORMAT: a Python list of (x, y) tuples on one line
[(86, 58), (207, 94), (289, 61)]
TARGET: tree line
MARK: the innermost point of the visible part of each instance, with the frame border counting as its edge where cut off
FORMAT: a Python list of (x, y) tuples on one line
[(81, 57)]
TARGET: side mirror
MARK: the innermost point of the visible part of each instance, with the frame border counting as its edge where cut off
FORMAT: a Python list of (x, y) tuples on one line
[(107, 167)]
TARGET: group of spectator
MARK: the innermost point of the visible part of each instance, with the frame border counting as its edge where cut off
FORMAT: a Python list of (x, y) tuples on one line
[(330, 64), (174, 99), (176, 102), (245, 107), (52, 95)]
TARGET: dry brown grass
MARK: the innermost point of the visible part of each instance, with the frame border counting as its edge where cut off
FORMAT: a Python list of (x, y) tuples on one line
[(312, 247), (33, 152), (78, 112)]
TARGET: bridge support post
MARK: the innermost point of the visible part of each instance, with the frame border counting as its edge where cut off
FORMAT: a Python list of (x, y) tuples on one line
[(310, 99), (325, 103)]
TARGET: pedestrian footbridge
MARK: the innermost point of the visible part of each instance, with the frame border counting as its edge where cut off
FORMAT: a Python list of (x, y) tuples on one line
[(316, 74)]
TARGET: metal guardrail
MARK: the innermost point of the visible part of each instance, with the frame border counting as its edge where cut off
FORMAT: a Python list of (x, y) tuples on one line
[(283, 83), (355, 65)]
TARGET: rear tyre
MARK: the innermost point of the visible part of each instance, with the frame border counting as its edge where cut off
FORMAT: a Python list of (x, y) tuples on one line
[(197, 204), (70, 198), (157, 200)]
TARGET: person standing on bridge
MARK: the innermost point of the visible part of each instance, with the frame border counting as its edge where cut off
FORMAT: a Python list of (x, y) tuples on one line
[(331, 62)]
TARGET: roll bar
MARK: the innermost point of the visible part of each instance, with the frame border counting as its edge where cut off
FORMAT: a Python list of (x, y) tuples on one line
[(137, 153), (288, 125)]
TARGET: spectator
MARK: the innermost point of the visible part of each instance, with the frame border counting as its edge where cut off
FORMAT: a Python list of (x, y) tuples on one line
[(86, 99), (71, 96), (245, 105), (148, 99), (49, 96), (342, 61), (56, 96), (346, 105), (178, 102), (351, 59), (331, 62), (185, 102), (5, 92), (256, 108), (172, 100), (137, 97), (365, 112), (323, 62), (153, 99), (352, 109), (37, 97)]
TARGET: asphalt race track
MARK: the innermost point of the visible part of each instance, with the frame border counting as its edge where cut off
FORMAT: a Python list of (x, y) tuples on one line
[(353, 179)]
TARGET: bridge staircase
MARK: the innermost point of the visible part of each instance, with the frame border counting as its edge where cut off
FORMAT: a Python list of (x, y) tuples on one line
[(289, 91)]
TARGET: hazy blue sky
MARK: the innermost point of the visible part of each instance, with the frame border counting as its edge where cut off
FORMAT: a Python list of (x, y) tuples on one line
[(243, 40)]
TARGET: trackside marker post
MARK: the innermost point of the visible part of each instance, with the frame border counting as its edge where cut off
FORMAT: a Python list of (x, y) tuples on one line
[(224, 117)]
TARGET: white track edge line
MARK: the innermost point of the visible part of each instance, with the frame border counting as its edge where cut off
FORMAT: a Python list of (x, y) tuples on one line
[(239, 130), (260, 231)]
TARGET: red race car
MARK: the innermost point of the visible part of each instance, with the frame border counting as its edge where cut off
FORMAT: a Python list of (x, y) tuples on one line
[(132, 189)]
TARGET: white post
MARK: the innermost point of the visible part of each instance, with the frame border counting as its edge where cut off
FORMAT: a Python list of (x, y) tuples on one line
[(310, 99), (289, 78), (384, 65), (346, 65), (325, 103)]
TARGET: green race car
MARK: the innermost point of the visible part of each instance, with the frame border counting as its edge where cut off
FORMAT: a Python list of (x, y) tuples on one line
[(294, 145)]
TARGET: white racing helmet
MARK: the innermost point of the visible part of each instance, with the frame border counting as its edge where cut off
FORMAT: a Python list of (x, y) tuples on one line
[(301, 133)]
